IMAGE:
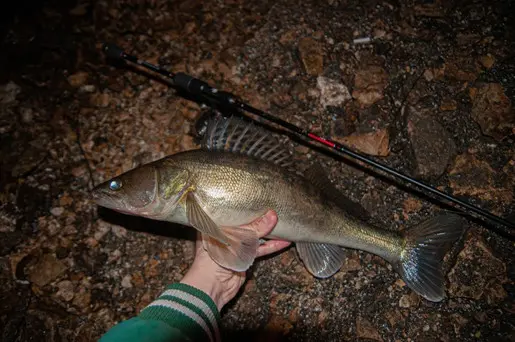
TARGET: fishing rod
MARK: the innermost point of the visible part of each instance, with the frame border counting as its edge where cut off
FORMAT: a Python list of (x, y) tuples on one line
[(222, 99)]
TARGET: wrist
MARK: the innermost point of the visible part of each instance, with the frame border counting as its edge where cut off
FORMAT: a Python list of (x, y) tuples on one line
[(207, 283)]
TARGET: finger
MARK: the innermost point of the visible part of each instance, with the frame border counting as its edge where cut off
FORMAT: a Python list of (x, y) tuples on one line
[(272, 246), (265, 224)]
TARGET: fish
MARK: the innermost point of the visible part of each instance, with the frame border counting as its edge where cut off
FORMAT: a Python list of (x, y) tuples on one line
[(241, 171)]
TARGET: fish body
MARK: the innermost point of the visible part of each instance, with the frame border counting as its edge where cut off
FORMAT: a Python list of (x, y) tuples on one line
[(222, 186), (235, 189)]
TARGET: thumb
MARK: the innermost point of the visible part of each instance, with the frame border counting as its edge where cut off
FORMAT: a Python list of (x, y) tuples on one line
[(263, 225)]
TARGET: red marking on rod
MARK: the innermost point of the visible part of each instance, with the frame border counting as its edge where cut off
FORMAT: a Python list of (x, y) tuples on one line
[(322, 140)]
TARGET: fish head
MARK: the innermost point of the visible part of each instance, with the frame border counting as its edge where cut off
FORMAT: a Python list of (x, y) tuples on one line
[(149, 191)]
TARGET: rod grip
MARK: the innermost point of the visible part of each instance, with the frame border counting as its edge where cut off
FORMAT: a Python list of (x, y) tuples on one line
[(112, 51)]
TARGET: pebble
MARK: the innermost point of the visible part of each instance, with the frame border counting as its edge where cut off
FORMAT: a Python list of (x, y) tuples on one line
[(365, 329), (487, 61), (432, 145), (100, 100), (26, 115), (78, 79), (66, 290), (312, 57), (374, 143), (8, 93), (332, 93), (492, 110), (404, 302), (88, 88), (57, 211), (46, 270), (426, 327), (126, 281)]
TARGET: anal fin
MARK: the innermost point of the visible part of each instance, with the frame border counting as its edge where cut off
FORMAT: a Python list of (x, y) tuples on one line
[(241, 251), (321, 260)]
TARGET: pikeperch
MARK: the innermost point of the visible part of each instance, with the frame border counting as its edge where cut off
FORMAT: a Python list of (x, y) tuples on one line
[(239, 173)]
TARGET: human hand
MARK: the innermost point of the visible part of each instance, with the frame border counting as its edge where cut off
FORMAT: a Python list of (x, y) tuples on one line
[(222, 284)]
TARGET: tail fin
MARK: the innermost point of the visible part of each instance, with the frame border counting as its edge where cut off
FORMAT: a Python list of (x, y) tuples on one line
[(420, 263)]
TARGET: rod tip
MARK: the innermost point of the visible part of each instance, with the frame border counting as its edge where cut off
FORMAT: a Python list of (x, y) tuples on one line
[(112, 51)]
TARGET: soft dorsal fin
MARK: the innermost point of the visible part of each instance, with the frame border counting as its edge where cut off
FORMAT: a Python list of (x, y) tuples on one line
[(318, 177), (235, 135)]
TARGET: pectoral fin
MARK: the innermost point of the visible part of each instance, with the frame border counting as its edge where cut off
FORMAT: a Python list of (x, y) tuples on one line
[(241, 251), (198, 218), (321, 260)]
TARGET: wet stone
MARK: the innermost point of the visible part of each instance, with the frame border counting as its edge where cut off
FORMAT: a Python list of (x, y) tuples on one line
[(465, 279), (492, 110), (78, 79), (476, 178), (66, 290), (312, 56), (365, 329), (432, 145), (47, 269), (369, 84), (332, 93), (373, 143)]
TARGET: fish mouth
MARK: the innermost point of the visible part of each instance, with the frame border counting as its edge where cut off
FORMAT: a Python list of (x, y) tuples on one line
[(105, 200)]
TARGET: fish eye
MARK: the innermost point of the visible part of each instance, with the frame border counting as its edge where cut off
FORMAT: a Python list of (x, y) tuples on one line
[(115, 185)]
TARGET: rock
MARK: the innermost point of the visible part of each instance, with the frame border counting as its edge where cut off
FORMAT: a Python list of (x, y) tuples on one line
[(477, 273), (82, 299), (278, 325), (100, 100), (87, 88), (458, 321), (373, 143), (126, 281), (448, 105), (372, 77), (188, 143), (351, 264), (57, 211), (404, 301), (365, 329), (367, 97), (312, 56), (332, 93), (492, 110), (78, 79), (46, 270), (472, 177), (409, 300), (411, 205), (8, 93), (66, 290), (462, 69), (394, 317), (27, 114), (434, 73), (369, 85), (487, 61), (432, 145), (33, 156)]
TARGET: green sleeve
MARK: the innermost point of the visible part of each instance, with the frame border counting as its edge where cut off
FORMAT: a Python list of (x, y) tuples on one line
[(181, 313)]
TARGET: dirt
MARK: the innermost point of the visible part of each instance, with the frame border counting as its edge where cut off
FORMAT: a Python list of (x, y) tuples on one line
[(69, 119)]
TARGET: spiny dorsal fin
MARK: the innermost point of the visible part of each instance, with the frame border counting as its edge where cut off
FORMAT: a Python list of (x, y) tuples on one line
[(318, 177), (240, 136)]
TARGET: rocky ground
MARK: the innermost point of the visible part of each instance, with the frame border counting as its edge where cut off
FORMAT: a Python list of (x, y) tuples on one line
[(424, 86)]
